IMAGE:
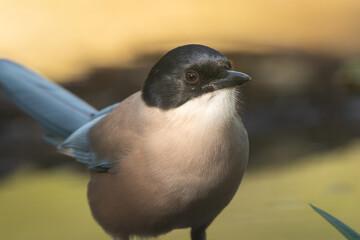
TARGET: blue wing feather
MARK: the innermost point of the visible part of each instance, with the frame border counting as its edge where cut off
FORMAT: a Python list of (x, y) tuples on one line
[(105, 111), (77, 145)]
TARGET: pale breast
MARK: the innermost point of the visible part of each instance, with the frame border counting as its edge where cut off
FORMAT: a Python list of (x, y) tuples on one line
[(201, 148), (180, 167)]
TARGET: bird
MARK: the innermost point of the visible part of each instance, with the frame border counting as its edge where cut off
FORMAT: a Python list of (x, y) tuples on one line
[(170, 156)]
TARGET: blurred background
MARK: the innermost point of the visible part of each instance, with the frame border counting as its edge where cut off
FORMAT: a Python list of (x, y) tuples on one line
[(302, 109)]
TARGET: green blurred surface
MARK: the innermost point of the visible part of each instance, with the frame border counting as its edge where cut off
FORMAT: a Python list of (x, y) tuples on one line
[(270, 204)]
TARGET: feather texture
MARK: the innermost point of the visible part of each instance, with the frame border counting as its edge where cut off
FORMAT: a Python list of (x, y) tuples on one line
[(60, 112), (56, 109), (78, 146)]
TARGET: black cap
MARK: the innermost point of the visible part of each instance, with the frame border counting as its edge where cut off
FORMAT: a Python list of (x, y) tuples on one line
[(188, 72)]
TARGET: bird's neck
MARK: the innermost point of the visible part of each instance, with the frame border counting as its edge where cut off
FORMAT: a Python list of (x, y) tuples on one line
[(215, 109)]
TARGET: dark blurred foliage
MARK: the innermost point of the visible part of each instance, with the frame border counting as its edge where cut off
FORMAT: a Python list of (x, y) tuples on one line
[(297, 104)]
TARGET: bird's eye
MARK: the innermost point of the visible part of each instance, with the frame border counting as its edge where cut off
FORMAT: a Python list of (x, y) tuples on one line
[(192, 77)]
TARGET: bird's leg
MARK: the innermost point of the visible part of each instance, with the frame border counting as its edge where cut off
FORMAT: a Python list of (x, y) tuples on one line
[(198, 233)]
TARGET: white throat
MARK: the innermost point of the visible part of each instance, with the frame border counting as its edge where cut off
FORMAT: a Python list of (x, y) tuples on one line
[(218, 107)]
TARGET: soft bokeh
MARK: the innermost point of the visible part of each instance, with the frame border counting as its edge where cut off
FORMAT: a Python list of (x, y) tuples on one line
[(66, 37), (302, 109)]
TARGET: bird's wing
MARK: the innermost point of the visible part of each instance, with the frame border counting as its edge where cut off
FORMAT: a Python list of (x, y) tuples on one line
[(114, 137), (106, 139), (105, 111), (78, 146)]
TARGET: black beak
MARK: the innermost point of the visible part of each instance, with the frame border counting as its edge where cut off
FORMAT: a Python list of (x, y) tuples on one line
[(238, 77), (232, 79)]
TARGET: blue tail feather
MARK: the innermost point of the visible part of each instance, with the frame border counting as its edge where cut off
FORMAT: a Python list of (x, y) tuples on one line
[(56, 109)]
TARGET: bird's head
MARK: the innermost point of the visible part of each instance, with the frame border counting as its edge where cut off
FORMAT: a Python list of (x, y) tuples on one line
[(188, 72)]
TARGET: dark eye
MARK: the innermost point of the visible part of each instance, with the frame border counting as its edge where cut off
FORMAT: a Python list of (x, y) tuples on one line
[(191, 76)]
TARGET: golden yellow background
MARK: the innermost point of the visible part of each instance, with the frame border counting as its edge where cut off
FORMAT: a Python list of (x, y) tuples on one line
[(63, 38), (66, 39)]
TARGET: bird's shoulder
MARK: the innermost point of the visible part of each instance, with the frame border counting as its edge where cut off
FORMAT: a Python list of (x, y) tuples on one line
[(115, 135)]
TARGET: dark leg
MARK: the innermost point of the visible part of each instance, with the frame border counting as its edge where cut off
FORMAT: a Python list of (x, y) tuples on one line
[(199, 233)]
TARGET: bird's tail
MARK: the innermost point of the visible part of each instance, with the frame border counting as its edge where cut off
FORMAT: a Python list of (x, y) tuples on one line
[(56, 109)]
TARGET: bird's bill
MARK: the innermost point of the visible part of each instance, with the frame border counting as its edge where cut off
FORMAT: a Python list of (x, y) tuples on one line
[(232, 79)]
